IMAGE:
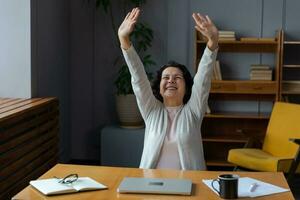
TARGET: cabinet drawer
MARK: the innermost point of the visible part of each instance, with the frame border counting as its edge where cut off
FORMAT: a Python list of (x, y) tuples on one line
[(257, 88)]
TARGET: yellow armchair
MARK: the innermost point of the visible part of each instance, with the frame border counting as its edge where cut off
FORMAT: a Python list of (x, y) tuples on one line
[(278, 152)]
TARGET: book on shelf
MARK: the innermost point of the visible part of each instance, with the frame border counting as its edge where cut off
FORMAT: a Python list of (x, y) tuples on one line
[(208, 111), (52, 186), (223, 32), (213, 75), (218, 70), (261, 78), (260, 72), (216, 75), (267, 77), (260, 66), (223, 36), (227, 39), (226, 35)]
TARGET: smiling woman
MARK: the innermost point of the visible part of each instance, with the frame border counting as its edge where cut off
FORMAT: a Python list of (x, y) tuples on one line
[(174, 109)]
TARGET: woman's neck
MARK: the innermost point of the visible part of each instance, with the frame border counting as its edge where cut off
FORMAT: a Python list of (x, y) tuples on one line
[(174, 103)]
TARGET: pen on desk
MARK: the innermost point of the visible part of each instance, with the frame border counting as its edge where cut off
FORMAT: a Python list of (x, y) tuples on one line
[(252, 187)]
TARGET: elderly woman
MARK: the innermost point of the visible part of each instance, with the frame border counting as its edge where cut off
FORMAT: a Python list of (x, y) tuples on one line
[(174, 109)]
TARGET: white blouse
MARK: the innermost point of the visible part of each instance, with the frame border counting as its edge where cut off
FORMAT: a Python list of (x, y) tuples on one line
[(169, 156)]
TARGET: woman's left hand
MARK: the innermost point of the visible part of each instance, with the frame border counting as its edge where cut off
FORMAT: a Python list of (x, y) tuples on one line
[(207, 28)]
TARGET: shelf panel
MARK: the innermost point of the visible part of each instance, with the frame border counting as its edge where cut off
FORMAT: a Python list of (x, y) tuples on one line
[(292, 42), (290, 87), (258, 46), (219, 163), (291, 66), (244, 87), (242, 97), (291, 92), (238, 115), (226, 139)]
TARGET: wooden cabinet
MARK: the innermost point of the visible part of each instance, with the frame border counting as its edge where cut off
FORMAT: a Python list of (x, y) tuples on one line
[(29, 135), (290, 78), (226, 129)]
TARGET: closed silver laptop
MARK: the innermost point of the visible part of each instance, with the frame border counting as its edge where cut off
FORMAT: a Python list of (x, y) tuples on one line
[(155, 186)]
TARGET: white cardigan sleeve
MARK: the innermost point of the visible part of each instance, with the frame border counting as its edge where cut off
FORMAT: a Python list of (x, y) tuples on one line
[(202, 83), (140, 83)]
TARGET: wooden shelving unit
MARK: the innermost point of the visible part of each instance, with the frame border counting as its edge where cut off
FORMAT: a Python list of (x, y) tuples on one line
[(290, 68), (222, 131)]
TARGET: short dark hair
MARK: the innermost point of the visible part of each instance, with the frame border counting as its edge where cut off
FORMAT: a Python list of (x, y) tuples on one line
[(186, 75)]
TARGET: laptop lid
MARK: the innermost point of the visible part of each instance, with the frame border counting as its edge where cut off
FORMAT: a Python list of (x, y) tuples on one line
[(155, 186)]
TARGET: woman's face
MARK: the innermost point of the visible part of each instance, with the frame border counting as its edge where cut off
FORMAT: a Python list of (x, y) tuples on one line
[(172, 86)]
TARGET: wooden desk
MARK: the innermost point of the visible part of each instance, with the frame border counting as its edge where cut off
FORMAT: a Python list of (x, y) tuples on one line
[(112, 176)]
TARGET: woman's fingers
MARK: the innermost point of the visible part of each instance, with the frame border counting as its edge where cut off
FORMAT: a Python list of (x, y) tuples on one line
[(131, 17), (201, 22), (127, 16), (128, 23), (132, 13), (208, 19), (197, 19), (136, 14), (201, 17)]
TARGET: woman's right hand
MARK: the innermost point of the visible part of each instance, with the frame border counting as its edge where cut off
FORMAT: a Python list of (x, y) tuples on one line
[(127, 27)]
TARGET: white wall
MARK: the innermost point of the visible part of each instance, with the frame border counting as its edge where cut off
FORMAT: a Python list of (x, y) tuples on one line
[(15, 53)]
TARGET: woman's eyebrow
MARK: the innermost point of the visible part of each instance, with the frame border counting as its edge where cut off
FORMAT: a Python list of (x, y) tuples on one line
[(177, 74)]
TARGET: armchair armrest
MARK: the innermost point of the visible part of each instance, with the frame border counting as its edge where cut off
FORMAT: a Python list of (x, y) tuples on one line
[(295, 140)]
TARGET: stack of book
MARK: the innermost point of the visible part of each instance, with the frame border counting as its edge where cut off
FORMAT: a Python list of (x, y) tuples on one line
[(217, 71), (227, 36), (261, 72)]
